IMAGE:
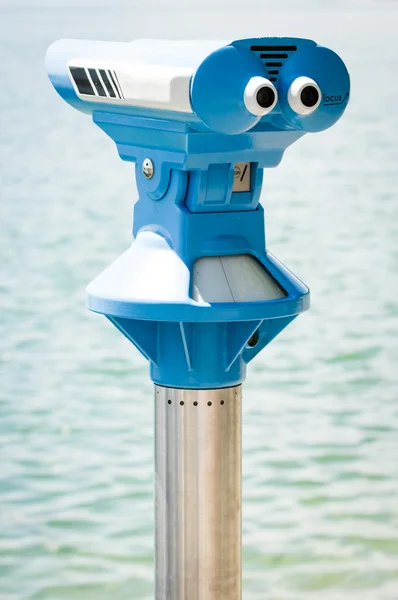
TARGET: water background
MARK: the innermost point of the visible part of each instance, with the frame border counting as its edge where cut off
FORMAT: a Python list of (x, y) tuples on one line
[(320, 404)]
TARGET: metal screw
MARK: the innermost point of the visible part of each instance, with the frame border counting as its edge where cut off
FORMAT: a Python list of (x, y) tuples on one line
[(148, 168)]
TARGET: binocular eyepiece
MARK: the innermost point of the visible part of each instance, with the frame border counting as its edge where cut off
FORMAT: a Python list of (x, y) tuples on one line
[(261, 96), (304, 95)]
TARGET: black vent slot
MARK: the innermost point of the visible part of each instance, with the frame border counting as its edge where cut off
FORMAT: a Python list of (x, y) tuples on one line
[(273, 48), (107, 83), (116, 84), (274, 57), (81, 80), (97, 83)]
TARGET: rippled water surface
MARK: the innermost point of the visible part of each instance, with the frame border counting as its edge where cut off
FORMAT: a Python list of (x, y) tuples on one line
[(320, 404)]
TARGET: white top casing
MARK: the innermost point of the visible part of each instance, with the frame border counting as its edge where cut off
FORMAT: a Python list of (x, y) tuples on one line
[(149, 73)]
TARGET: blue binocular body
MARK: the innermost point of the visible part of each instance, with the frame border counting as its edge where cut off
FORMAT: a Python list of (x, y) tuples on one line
[(197, 292)]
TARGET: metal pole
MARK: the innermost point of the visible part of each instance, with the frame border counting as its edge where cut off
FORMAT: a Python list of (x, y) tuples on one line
[(198, 493)]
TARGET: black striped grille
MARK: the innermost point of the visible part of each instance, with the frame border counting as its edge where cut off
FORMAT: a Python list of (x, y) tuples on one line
[(96, 82), (273, 58)]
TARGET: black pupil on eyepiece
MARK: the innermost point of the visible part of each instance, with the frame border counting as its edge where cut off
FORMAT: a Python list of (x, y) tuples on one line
[(265, 97), (309, 96)]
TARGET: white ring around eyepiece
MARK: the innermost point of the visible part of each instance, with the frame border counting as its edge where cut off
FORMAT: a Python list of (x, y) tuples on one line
[(294, 95), (250, 96)]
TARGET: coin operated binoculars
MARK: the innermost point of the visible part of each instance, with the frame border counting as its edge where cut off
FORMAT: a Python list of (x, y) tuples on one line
[(197, 292)]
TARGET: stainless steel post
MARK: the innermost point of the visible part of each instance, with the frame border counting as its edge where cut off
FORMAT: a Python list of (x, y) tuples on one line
[(198, 494)]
